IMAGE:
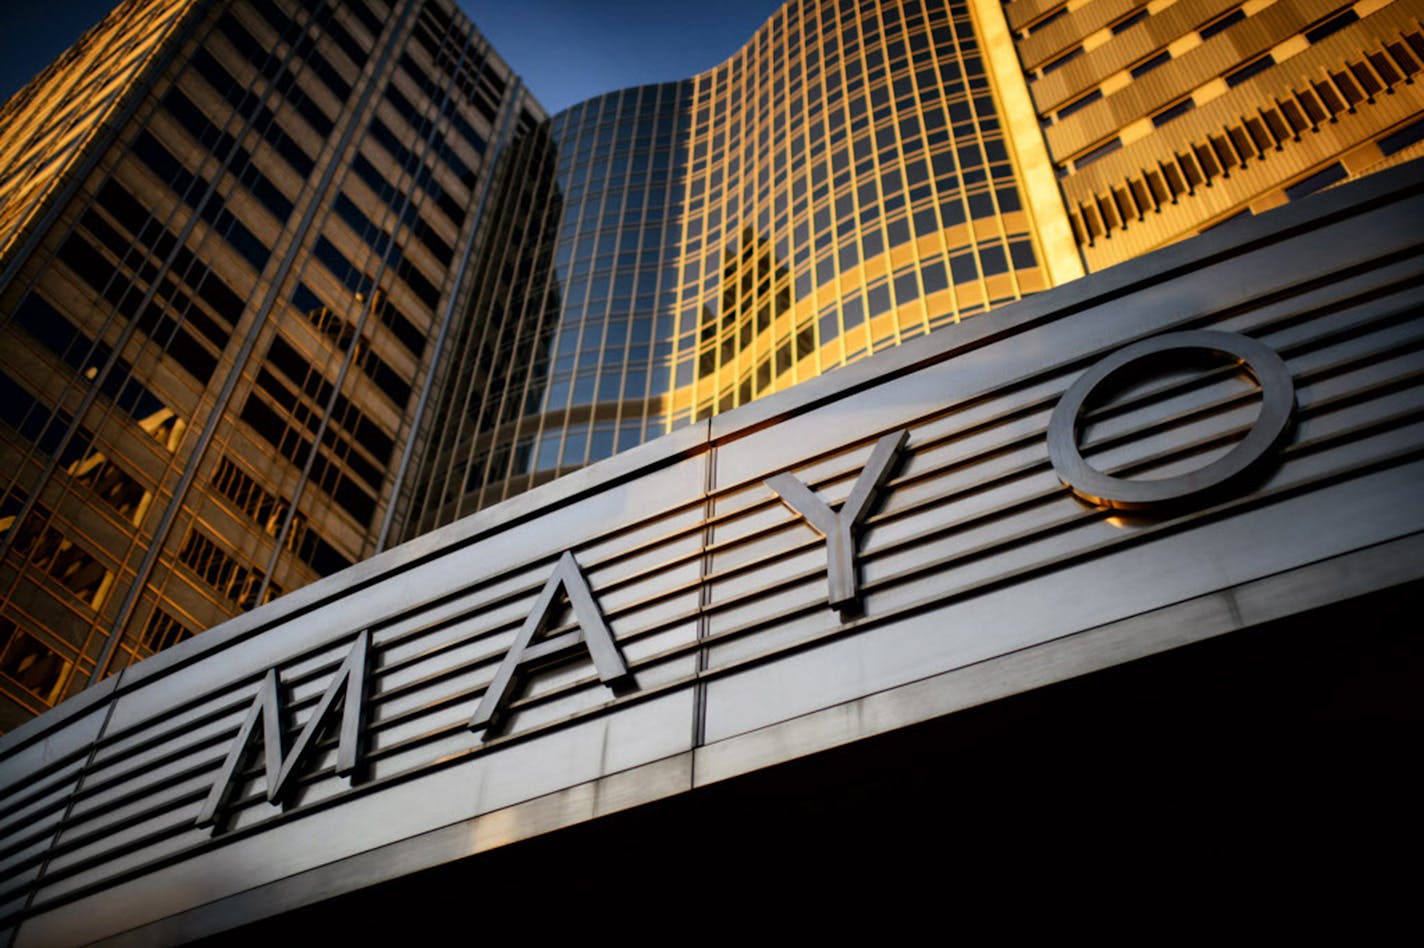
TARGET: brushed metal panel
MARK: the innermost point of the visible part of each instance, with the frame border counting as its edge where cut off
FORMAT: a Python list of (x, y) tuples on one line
[(1395, 385), (41, 800), (1337, 307), (758, 627), (1149, 440), (45, 741), (413, 746), (1256, 543), (203, 718), (150, 786), (584, 753), (435, 653), (1385, 336), (643, 546), (394, 714), (112, 850), (1272, 597), (553, 811), (21, 867)]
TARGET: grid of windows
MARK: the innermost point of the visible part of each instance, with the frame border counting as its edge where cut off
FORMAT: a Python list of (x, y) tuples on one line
[(850, 187), (661, 254), (1169, 118), (48, 125), (210, 351)]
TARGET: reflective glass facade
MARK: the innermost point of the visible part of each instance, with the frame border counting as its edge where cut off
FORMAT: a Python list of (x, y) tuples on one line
[(850, 186), (840, 184), (564, 354), (232, 233)]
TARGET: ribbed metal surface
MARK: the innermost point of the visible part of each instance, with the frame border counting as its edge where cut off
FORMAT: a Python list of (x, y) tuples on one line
[(716, 591)]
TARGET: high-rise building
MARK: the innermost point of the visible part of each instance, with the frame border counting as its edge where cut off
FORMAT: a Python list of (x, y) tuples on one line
[(1166, 118), (232, 233), (845, 181), (287, 282)]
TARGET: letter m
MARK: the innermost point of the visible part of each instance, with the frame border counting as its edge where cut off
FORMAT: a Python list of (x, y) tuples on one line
[(279, 768)]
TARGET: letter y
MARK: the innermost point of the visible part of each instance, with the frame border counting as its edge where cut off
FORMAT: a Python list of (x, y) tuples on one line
[(841, 528)]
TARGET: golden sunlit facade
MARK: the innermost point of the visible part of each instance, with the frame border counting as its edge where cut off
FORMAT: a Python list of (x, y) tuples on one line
[(233, 232), (1168, 117), (850, 185), (47, 126)]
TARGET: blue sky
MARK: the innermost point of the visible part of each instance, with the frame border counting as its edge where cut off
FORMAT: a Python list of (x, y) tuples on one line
[(566, 50)]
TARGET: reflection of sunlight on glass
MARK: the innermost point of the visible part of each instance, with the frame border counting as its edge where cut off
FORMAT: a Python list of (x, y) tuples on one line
[(165, 427), (1128, 519)]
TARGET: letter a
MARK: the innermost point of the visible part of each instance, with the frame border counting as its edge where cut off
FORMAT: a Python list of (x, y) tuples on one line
[(267, 707), (840, 528), (592, 634)]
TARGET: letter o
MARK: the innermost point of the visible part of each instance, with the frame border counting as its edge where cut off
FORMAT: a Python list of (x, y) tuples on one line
[(1277, 405)]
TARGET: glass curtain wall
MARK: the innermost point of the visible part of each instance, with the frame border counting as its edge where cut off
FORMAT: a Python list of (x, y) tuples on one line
[(217, 310), (842, 183)]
